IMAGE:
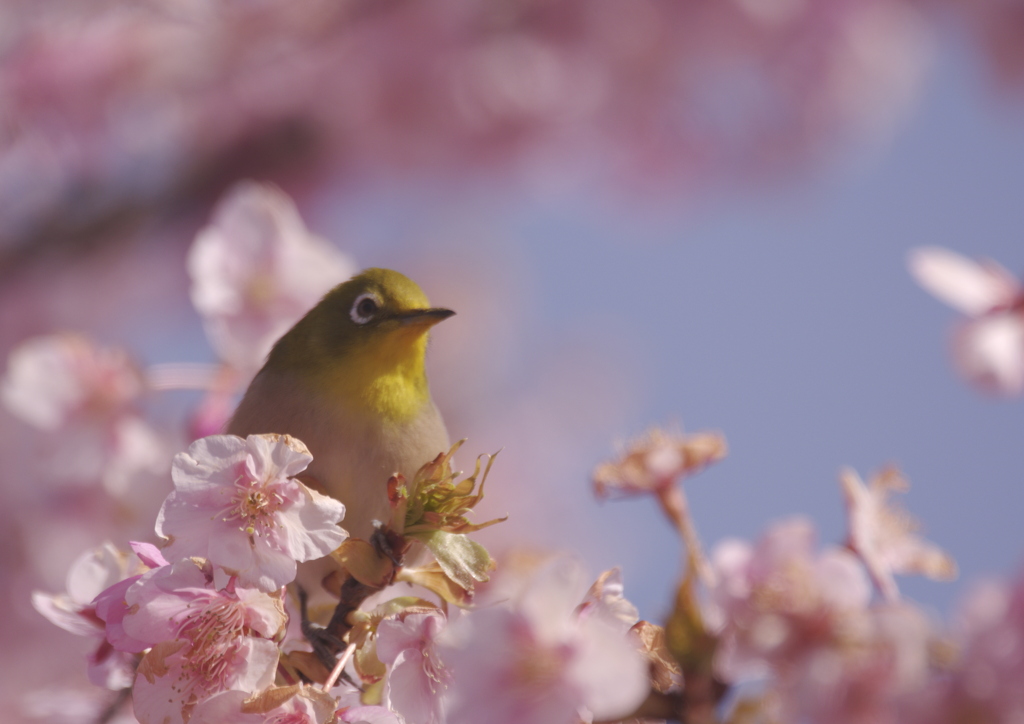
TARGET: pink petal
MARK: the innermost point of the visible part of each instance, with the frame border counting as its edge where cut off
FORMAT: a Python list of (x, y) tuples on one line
[(369, 715), (61, 611), (551, 597), (409, 691), (265, 614), (225, 708), (990, 352), (111, 608), (960, 282), (159, 601), (609, 672), (148, 554), (844, 583), (95, 571)]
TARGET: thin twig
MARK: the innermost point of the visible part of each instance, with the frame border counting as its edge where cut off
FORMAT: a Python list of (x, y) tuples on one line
[(673, 502), (339, 667), (114, 706)]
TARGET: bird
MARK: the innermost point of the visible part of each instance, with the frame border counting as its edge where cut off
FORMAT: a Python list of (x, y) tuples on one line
[(349, 381)]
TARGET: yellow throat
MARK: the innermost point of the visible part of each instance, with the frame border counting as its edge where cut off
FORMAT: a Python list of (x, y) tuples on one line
[(364, 345)]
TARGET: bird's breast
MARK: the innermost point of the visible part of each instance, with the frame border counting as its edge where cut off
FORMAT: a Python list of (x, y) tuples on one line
[(355, 450)]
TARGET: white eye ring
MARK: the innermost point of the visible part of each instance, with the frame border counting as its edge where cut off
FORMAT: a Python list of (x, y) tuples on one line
[(364, 307)]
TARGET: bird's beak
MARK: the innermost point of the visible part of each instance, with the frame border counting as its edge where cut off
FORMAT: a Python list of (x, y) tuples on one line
[(425, 317)]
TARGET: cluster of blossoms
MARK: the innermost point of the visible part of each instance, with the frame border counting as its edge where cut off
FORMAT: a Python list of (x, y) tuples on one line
[(988, 346), (207, 624), (804, 625), (255, 271), (96, 95), (199, 629), (203, 630), (211, 628)]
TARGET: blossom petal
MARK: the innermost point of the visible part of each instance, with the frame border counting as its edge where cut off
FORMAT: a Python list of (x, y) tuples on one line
[(960, 282), (989, 351)]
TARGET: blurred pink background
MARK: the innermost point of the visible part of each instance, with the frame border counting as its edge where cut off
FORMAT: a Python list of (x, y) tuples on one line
[(653, 214)]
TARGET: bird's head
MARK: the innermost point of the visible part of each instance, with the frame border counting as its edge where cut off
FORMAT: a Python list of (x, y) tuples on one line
[(373, 325)]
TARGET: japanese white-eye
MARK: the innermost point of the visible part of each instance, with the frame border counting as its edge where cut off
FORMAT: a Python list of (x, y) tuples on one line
[(349, 380)]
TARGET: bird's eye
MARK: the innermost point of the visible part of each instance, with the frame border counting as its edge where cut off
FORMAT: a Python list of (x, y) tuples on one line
[(364, 307)]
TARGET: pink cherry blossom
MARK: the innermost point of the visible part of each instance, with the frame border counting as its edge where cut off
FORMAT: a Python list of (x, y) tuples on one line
[(534, 660), (988, 347), (85, 396), (369, 715), (779, 601), (202, 640), (111, 607), (883, 535), (236, 504), (654, 462), (653, 465), (985, 685), (417, 677), (285, 705), (607, 597), (256, 270), (880, 658), (91, 573), (55, 380), (76, 611), (96, 99)]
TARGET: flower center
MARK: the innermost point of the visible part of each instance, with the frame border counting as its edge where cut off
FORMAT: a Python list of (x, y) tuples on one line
[(437, 675), (212, 630), (540, 667), (253, 505)]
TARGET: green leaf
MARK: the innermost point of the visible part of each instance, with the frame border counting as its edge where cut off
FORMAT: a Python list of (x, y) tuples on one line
[(464, 561)]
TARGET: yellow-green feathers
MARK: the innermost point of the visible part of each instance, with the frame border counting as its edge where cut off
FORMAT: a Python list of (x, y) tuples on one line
[(365, 345), (348, 380)]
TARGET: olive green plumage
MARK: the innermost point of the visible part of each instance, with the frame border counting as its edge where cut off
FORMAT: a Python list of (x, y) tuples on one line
[(349, 380)]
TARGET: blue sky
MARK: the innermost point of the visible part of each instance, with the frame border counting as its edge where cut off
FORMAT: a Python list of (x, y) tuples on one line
[(783, 316)]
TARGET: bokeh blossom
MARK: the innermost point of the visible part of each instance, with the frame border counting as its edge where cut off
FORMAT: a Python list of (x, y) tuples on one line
[(122, 123), (256, 270), (884, 536), (75, 611), (56, 380), (236, 502), (780, 600), (981, 682), (880, 660), (654, 462), (988, 346), (533, 659), (86, 397), (134, 107), (417, 677), (64, 705), (607, 598)]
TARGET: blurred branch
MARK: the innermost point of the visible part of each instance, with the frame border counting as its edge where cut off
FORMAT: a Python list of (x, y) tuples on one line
[(93, 214)]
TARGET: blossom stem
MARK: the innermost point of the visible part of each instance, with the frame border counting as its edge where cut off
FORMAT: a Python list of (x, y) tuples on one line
[(339, 667), (673, 503), (114, 706), (182, 376)]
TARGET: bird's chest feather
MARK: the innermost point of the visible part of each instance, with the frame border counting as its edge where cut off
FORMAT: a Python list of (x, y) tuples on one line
[(355, 450)]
